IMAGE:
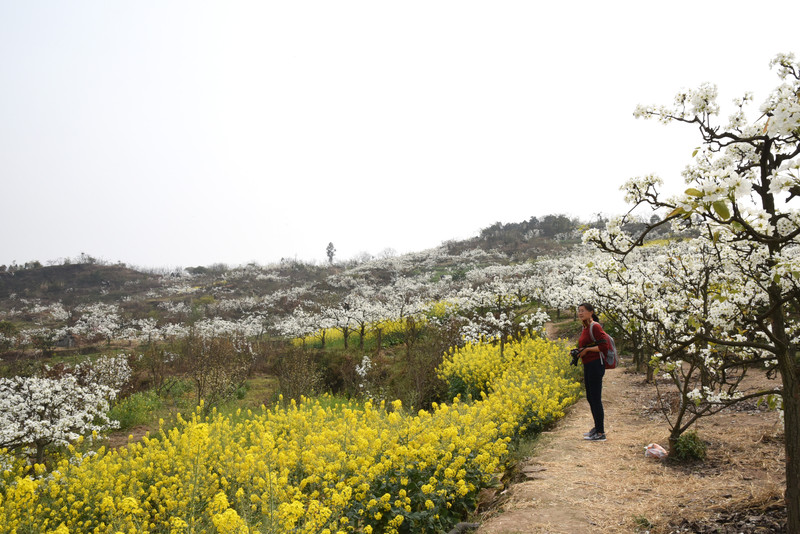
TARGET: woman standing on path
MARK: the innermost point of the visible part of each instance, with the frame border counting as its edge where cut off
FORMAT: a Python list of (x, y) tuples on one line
[(593, 367)]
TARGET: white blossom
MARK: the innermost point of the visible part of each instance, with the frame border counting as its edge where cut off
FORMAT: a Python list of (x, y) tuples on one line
[(45, 411)]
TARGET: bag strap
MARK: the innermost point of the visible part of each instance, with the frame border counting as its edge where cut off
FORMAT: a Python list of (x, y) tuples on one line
[(602, 356)]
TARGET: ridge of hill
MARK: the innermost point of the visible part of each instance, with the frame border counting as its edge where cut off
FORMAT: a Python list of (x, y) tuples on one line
[(74, 282), (77, 283), (85, 279)]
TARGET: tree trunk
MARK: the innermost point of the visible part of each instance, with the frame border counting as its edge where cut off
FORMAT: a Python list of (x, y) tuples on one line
[(673, 442), (790, 373), (676, 427), (637, 359), (40, 452), (791, 414)]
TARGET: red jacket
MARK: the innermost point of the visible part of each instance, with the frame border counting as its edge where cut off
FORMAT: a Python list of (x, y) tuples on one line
[(586, 339)]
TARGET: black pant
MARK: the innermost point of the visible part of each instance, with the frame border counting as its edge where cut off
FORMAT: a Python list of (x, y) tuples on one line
[(593, 379)]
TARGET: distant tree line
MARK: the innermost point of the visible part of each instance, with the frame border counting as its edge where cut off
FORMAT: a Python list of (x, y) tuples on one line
[(548, 226), (558, 226), (14, 267), (82, 259)]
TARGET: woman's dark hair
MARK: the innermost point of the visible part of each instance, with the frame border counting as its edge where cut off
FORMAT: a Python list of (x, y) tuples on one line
[(588, 307)]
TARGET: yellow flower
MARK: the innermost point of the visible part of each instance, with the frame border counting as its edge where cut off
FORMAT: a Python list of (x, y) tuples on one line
[(229, 522), (308, 465)]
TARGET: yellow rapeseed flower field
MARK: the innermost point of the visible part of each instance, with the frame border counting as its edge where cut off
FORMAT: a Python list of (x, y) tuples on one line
[(306, 468), (334, 336)]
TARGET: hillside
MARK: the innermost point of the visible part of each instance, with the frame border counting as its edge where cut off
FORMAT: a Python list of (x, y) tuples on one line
[(284, 329), (25, 293), (85, 280)]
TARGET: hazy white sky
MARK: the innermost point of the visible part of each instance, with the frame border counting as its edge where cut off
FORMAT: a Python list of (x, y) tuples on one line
[(180, 133)]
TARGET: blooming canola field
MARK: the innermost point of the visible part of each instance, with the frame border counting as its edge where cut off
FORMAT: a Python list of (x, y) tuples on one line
[(315, 466)]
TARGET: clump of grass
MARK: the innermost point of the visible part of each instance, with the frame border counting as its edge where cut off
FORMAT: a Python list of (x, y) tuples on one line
[(690, 447), (136, 409), (642, 523)]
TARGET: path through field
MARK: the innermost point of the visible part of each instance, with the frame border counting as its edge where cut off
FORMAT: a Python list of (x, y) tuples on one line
[(570, 485)]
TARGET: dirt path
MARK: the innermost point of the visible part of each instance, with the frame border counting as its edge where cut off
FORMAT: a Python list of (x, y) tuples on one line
[(577, 486)]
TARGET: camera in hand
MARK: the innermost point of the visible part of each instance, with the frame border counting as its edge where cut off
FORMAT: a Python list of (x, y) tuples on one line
[(575, 353)]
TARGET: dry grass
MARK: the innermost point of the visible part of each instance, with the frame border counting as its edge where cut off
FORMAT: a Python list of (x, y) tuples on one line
[(581, 486)]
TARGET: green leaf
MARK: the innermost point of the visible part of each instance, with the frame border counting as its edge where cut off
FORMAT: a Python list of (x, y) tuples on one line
[(694, 192), (676, 211), (696, 150), (721, 207)]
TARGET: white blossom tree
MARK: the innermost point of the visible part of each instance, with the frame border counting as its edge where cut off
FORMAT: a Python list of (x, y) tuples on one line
[(743, 195), (41, 412), (341, 318), (673, 298), (501, 304), (99, 320)]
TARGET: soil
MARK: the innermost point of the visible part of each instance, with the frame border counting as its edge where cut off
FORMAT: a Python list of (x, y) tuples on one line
[(123, 437), (570, 485)]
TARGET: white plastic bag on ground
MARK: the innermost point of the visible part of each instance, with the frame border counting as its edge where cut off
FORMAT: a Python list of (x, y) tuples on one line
[(654, 450)]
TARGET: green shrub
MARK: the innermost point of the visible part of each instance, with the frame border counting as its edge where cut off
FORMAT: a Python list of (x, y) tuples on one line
[(642, 523), (135, 410), (178, 389), (690, 447)]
